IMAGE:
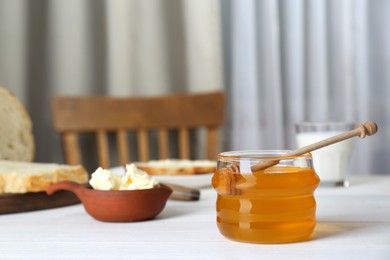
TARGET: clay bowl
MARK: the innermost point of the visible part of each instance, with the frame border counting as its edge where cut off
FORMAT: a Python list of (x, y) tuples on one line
[(115, 205)]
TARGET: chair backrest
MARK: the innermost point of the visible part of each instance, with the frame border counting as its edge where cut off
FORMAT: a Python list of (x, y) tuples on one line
[(103, 115)]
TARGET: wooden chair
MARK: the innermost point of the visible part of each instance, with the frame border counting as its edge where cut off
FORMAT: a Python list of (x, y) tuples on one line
[(103, 115)]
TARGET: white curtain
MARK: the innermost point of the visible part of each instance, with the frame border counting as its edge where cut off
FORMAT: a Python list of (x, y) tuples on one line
[(281, 62), (318, 60), (114, 47)]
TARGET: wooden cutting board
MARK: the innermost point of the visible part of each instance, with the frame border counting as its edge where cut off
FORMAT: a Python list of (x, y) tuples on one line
[(14, 203)]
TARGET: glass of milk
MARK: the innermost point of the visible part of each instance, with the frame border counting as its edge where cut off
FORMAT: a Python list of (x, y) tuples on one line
[(331, 162)]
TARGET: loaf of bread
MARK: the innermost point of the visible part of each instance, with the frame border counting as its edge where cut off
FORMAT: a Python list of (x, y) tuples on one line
[(177, 167), (23, 177), (16, 138)]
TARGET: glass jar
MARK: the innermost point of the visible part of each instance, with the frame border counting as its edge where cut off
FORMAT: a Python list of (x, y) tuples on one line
[(273, 203)]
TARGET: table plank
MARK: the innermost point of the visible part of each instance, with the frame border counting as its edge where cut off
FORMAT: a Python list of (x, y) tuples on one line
[(353, 223)]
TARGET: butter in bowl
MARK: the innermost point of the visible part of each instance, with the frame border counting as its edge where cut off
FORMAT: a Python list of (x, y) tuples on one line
[(135, 196)]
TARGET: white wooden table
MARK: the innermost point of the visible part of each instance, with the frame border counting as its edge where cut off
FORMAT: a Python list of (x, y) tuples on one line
[(353, 223)]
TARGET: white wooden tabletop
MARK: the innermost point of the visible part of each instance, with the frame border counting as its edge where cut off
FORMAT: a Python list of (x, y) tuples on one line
[(352, 223)]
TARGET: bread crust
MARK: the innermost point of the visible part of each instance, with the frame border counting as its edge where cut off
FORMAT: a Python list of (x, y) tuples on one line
[(16, 143), (177, 167), (23, 177)]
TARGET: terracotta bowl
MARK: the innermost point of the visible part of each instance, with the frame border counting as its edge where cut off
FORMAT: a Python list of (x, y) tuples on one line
[(118, 206)]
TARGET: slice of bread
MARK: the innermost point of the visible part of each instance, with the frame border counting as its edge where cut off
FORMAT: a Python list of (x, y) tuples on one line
[(16, 138), (23, 177), (177, 167)]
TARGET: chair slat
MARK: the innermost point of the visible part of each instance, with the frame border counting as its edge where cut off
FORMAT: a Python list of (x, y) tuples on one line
[(212, 142), (78, 114), (163, 144), (143, 145), (74, 115), (123, 146), (184, 151), (71, 148), (103, 149)]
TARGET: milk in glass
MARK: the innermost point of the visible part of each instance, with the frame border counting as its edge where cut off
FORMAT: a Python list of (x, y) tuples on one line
[(330, 162)]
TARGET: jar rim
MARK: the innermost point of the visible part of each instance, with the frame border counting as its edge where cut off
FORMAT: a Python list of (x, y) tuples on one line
[(260, 154)]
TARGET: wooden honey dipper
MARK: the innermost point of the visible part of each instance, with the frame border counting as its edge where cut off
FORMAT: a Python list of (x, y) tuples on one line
[(362, 130)]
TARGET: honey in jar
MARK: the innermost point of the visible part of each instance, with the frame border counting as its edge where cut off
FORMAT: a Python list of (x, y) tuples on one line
[(272, 205)]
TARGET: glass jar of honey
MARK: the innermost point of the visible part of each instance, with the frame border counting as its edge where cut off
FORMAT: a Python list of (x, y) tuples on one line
[(273, 203)]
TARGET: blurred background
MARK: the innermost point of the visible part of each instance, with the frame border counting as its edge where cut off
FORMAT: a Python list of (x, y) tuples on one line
[(279, 61)]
